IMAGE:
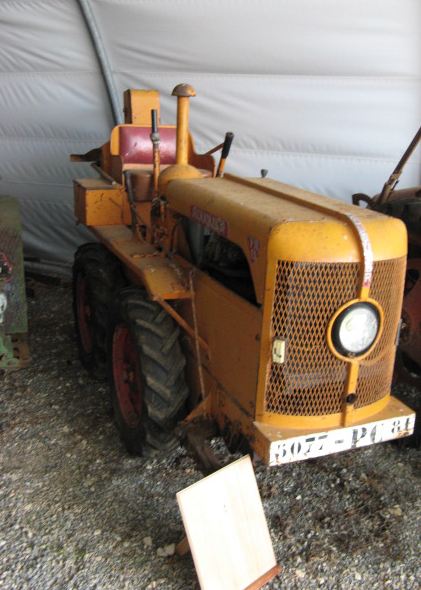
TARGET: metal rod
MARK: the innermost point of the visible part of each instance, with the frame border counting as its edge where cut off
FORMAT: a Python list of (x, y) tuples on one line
[(196, 336), (182, 322), (214, 149), (132, 203), (155, 139), (103, 174), (393, 179), (104, 64)]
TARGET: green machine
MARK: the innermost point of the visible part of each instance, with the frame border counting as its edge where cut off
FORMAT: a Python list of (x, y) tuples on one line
[(14, 351)]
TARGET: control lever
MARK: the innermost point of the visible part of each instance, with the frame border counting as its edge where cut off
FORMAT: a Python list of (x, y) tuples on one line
[(229, 136)]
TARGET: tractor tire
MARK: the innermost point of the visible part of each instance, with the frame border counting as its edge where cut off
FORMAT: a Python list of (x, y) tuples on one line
[(96, 276), (147, 367)]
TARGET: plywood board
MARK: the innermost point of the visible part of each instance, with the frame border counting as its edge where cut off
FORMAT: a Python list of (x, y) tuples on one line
[(226, 528)]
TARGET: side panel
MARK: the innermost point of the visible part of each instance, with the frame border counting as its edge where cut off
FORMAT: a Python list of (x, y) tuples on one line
[(231, 327)]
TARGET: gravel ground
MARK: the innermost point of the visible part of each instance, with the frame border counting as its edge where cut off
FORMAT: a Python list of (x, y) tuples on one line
[(77, 512)]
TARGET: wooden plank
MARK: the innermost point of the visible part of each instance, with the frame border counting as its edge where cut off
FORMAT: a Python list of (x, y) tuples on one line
[(276, 570), (227, 530)]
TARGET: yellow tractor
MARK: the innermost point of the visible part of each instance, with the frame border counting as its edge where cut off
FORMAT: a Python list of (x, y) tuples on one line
[(270, 310)]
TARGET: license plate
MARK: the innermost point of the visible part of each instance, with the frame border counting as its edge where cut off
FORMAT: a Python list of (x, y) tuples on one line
[(298, 448)]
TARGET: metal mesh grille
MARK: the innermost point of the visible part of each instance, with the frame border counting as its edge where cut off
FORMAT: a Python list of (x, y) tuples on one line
[(375, 374), (311, 380)]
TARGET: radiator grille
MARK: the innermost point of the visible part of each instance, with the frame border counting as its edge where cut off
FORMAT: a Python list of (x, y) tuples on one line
[(311, 380), (375, 374)]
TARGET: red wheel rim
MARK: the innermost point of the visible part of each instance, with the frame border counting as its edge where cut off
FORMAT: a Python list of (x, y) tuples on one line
[(84, 314), (126, 373)]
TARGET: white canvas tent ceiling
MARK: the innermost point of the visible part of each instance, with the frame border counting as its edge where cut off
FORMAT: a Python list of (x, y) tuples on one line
[(324, 93)]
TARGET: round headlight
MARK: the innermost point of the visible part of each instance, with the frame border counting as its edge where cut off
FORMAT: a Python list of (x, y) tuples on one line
[(355, 329)]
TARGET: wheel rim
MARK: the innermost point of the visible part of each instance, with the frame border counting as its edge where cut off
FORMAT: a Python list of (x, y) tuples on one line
[(84, 314), (126, 373)]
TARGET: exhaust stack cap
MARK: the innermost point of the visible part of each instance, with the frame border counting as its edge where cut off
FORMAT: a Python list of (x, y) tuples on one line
[(184, 90)]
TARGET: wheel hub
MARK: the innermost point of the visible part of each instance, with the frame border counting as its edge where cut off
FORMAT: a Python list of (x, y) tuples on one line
[(126, 373)]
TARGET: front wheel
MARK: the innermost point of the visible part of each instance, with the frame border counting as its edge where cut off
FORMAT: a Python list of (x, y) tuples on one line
[(146, 372)]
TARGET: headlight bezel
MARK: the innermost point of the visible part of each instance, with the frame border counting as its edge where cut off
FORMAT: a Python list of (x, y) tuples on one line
[(334, 342)]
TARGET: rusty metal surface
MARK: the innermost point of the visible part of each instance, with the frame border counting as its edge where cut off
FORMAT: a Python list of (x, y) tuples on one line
[(162, 278), (406, 205), (14, 351), (197, 435), (11, 245), (311, 380), (410, 342)]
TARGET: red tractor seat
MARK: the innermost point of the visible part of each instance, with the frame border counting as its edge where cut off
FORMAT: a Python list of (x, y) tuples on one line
[(131, 149), (135, 146)]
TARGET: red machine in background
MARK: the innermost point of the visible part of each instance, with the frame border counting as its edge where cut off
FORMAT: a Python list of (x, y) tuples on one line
[(405, 204)]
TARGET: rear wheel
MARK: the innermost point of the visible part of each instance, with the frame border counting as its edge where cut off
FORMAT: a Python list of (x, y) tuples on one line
[(96, 276), (146, 372)]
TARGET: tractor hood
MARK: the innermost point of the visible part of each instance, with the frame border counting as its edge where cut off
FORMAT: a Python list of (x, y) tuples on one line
[(273, 221)]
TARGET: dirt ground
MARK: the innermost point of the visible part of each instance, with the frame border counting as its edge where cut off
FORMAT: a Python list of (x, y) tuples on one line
[(76, 512)]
